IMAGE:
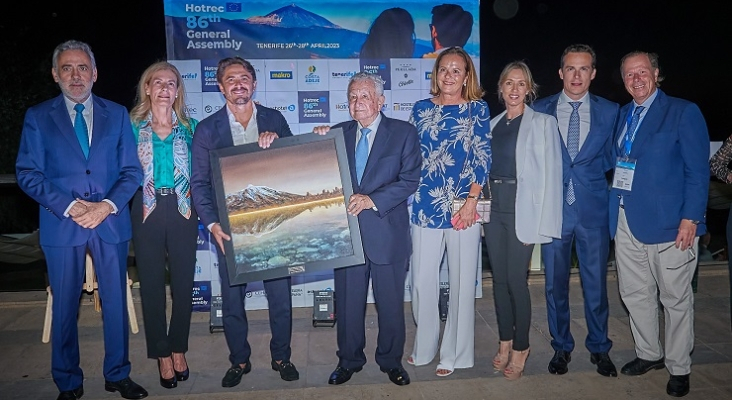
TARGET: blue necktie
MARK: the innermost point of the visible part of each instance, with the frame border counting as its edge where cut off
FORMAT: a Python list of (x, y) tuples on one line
[(632, 127), (82, 133), (362, 153), (573, 139)]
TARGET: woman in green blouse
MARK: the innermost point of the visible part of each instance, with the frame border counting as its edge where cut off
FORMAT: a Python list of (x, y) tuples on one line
[(164, 222)]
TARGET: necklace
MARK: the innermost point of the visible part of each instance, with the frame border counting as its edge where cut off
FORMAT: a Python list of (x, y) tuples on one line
[(509, 120)]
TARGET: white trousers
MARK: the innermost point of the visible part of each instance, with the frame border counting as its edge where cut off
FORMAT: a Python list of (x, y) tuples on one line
[(647, 273), (458, 342)]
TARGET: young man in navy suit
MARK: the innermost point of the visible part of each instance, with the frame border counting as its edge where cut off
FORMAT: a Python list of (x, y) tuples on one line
[(658, 203), (586, 126), (241, 121), (383, 176), (78, 160)]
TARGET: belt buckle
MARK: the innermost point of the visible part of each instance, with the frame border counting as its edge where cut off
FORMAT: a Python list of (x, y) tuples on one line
[(498, 181)]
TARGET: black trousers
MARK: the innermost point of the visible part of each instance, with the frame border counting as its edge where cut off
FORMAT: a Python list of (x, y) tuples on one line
[(165, 239), (510, 265)]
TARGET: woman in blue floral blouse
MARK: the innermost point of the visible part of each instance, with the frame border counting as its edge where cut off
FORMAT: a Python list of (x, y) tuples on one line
[(455, 139)]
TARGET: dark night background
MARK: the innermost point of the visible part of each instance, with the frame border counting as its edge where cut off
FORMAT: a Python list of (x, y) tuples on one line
[(128, 36)]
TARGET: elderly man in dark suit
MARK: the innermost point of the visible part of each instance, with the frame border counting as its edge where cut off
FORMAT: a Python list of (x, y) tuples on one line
[(384, 161), (657, 209), (78, 160), (240, 121)]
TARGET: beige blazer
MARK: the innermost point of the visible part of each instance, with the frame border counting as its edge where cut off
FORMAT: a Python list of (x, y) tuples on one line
[(539, 177)]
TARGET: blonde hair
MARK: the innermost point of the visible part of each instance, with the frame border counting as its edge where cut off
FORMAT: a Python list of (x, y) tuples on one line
[(142, 100), (472, 90), (532, 87)]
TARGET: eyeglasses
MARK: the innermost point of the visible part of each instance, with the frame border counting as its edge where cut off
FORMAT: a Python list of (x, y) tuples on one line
[(691, 253)]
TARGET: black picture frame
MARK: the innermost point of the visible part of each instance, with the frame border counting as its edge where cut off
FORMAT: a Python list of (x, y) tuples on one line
[(284, 207)]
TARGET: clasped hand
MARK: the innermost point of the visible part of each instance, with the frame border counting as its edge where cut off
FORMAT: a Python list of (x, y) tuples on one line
[(358, 203), (89, 214)]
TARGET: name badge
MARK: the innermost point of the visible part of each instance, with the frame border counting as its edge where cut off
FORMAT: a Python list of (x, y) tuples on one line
[(624, 171)]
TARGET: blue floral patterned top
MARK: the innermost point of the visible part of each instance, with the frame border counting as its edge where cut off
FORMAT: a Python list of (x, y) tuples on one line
[(445, 135)]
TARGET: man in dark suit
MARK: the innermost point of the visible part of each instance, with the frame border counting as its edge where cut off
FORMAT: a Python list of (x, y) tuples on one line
[(586, 126), (657, 208), (78, 160), (240, 121), (385, 168)]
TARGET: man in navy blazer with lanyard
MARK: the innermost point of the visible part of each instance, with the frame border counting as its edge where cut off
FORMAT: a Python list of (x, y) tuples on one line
[(586, 156), (657, 208), (240, 121)]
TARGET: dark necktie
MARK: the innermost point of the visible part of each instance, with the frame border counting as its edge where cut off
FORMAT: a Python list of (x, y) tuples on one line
[(362, 153), (82, 133), (573, 139)]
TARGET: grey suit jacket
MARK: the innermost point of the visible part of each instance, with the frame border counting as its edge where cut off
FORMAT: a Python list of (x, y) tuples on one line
[(539, 177)]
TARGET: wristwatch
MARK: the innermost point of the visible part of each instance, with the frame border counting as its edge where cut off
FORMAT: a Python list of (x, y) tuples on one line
[(693, 221)]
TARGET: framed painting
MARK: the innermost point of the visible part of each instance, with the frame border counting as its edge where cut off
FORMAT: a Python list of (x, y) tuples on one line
[(285, 207)]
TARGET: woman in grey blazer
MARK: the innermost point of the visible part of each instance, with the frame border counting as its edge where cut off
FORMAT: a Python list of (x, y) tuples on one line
[(526, 185)]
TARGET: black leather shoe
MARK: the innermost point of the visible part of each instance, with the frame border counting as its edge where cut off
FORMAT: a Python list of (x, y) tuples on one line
[(558, 364), (678, 385), (342, 375), (605, 366), (127, 388), (71, 394), (287, 370), (640, 366), (234, 374), (398, 375)]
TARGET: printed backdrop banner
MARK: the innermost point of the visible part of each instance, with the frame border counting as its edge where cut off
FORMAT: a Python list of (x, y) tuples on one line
[(303, 55)]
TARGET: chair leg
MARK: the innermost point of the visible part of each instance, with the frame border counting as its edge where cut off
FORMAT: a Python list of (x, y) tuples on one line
[(47, 320), (131, 307)]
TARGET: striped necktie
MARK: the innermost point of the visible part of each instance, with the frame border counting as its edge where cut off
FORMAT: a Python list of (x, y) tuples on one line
[(573, 138)]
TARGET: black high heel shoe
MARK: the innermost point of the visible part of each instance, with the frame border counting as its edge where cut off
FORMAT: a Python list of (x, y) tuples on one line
[(182, 375), (168, 383)]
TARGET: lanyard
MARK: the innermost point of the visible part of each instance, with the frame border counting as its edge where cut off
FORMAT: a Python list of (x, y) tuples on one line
[(630, 136)]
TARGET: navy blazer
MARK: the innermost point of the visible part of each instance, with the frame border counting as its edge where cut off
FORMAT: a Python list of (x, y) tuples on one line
[(671, 179), (52, 169), (391, 176), (594, 159), (212, 133)]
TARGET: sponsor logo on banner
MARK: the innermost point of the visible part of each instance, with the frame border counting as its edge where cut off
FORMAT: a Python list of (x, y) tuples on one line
[(201, 296), (404, 73), (284, 109), (233, 7), (378, 67), (256, 294), (314, 106), (208, 72), (403, 106), (280, 74), (190, 73), (342, 75), (312, 77)]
